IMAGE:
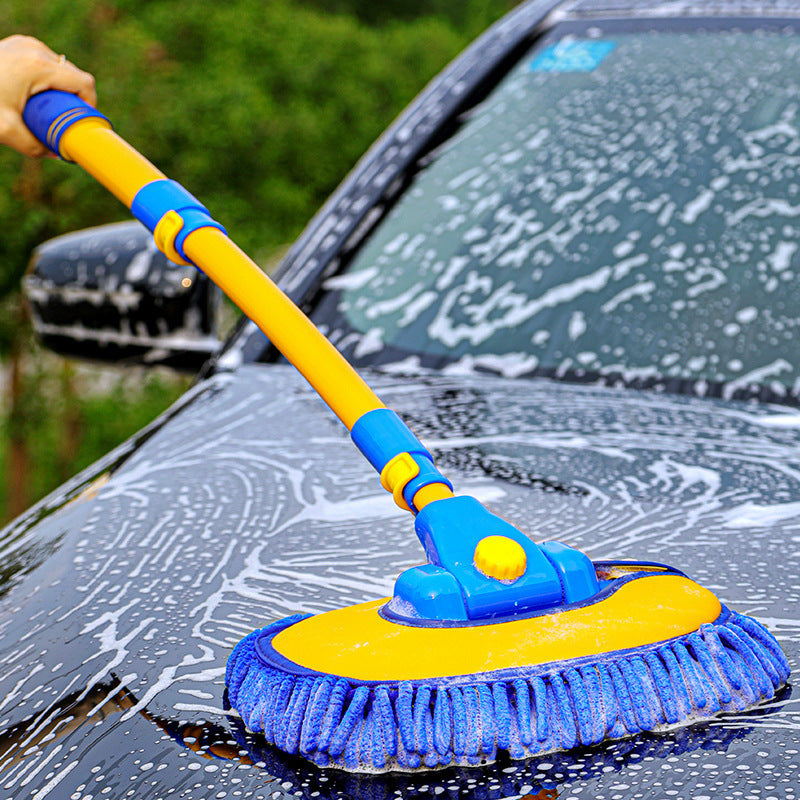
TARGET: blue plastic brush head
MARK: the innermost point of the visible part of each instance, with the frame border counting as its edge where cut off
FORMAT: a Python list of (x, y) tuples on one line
[(461, 582), (479, 565)]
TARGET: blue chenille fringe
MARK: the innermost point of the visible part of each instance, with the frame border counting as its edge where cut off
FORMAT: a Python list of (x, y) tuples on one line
[(723, 667)]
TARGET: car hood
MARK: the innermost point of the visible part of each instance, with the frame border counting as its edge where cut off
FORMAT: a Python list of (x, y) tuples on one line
[(124, 593)]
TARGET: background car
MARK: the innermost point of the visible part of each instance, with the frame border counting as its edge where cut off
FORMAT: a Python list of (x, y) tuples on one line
[(571, 267)]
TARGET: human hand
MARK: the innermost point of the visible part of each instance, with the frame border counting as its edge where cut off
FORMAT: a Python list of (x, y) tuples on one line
[(28, 67)]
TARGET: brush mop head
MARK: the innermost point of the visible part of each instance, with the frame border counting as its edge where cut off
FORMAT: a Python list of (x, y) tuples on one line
[(379, 686)]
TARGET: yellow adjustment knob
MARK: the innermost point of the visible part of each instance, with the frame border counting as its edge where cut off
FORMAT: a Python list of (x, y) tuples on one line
[(501, 558), (166, 230)]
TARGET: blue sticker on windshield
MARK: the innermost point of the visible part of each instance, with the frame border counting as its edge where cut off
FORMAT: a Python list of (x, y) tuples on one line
[(573, 56)]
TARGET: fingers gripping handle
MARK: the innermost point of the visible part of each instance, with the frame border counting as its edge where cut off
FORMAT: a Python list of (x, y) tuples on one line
[(50, 113)]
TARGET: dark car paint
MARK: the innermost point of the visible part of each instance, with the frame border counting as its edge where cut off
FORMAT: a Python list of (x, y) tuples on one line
[(125, 590), (251, 504)]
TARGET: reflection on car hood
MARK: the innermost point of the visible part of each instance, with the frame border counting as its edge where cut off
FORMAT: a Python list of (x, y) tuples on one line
[(250, 504)]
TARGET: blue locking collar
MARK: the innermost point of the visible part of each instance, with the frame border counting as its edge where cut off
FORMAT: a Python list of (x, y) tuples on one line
[(381, 435), (155, 199)]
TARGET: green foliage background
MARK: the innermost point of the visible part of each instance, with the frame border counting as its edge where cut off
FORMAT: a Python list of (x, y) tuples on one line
[(259, 107)]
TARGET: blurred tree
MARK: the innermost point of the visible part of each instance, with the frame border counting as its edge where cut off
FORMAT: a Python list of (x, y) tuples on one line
[(468, 17), (258, 108)]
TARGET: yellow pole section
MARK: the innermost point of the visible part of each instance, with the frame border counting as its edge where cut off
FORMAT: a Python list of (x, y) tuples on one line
[(124, 171), (430, 493), (287, 327), (108, 158)]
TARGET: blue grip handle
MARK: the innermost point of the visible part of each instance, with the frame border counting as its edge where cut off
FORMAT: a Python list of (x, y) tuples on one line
[(50, 113)]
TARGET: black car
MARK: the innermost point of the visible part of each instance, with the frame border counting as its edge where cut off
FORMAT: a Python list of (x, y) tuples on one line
[(571, 266)]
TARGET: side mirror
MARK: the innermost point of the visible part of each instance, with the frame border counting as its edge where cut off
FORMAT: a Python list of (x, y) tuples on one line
[(107, 294)]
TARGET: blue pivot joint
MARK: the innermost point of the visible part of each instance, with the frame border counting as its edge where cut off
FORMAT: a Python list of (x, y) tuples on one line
[(480, 566), (171, 213), (49, 114)]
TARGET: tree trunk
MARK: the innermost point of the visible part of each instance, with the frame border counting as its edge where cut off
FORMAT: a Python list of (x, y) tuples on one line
[(71, 424), (19, 484)]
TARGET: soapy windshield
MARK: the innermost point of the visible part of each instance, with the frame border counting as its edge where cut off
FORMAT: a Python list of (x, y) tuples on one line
[(624, 203)]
